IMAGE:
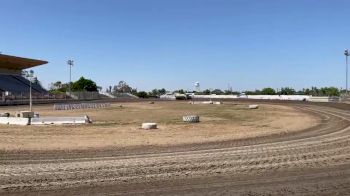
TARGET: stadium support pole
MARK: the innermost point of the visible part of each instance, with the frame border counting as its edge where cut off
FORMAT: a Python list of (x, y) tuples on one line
[(30, 95), (70, 63), (346, 53), (347, 90), (30, 75), (70, 80)]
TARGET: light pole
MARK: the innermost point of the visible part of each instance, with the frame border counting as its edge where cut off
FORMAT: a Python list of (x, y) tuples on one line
[(70, 63), (346, 53), (30, 75)]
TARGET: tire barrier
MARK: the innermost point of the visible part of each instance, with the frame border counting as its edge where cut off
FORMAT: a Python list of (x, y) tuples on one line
[(191, 119), (77, 106)]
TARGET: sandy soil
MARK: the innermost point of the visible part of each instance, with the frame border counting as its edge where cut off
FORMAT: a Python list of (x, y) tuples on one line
[(120, 126), (314, 161)]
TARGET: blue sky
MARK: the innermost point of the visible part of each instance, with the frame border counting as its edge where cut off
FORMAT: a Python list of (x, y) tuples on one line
[(150, 44)]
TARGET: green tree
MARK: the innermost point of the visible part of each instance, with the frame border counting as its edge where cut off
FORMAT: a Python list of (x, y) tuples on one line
[(36, 81), (250, 92), (162, 91), (153, 93), (157, 92), (287, 91), (58, 87), (305, 91), (230, 92), (217, 92), (330, 91), (142, 94), (123, 87), (84, 85), (268, 91), (314, 91), (181, 91), (206, 92)]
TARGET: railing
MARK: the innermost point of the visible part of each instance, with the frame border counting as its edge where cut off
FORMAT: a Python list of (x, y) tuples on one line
[(124, 95), (23, 98), (84, 95), (76, 106)]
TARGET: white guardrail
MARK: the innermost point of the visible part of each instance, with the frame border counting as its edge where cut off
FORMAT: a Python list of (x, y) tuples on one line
[(263, 97), (268, 97)]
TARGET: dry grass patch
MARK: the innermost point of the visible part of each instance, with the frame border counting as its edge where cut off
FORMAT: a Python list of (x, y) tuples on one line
[(120, 126)]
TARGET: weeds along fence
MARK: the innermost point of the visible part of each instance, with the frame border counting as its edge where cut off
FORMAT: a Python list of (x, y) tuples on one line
[(77, 106)]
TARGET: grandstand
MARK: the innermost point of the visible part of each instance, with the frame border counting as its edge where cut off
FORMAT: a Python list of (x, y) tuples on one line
[(11, 80), (14, 88)]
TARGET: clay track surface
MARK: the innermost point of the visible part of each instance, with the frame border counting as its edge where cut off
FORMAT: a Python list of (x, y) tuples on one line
[(315, 161)]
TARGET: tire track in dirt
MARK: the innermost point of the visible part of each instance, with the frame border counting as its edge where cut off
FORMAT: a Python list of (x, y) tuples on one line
[(324, 148)]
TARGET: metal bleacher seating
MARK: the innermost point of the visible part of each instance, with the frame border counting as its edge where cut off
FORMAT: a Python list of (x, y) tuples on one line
[(18, 85), (35, 87)]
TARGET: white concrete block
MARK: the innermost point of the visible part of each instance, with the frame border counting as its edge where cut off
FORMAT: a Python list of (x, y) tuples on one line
[(25, 114), (5, 114), (253, 106), (149, 125), (14, 121), (59, 120), (319, 99)]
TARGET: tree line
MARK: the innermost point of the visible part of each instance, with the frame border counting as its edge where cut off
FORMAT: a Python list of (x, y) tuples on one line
[(123, 87), (84, 84), (314, 91)]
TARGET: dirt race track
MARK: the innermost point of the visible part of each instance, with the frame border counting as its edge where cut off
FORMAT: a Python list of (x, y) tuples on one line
[(315, 161)]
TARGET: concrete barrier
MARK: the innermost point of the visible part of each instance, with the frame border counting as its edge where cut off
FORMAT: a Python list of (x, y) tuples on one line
[(253, 106), (25, 114), (345, 99), (280, 97), (6, 114), (168, 97), (324, 99), (59, 120), (215, 96), (14, 121), (263, 97), (268, 97), (149, 126)]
